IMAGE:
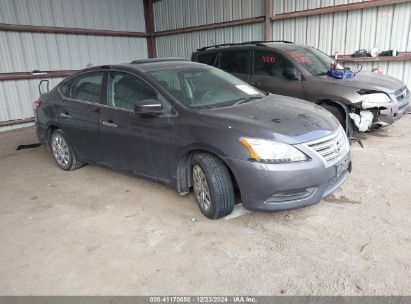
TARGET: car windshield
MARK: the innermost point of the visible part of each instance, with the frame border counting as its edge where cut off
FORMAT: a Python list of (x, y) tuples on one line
[(315, 61), (204, 86)]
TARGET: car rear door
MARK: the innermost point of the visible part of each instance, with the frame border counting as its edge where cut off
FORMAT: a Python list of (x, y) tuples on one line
[(134, 142), (79, 114), (237, 63), (271, 73)]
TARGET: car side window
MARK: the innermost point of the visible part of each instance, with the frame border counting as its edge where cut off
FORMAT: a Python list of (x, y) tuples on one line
[(271, 64), (125, 90), (65, 89), (208, 58), (235, 62), (84, 87), (170, 81)]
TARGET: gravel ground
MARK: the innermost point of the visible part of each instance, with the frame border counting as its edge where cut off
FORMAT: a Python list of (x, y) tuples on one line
[(96, 231)]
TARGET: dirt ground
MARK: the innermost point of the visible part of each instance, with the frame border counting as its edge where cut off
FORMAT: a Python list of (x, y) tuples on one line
[(96, 231)]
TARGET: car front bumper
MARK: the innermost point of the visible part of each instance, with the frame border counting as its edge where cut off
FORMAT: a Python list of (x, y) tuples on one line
[(393, 112), (269, 187), (390, 112)]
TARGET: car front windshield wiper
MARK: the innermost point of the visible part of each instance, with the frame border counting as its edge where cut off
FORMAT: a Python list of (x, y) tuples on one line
[(230, 103), (206, 107), (246, 99)]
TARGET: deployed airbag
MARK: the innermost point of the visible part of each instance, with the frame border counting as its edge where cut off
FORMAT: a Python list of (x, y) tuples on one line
[(363, 121)]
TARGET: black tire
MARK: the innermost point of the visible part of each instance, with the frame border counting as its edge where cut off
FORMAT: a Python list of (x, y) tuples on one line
[(219, 184), (64, 157)]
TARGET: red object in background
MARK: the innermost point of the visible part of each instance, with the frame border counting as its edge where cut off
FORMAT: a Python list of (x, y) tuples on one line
[(335, 64), (268, 59), (37, 104), (378, 70), (298, 57)]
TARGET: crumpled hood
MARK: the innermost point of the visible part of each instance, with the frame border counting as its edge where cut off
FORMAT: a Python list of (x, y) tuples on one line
[(368, 81), (276, 117)]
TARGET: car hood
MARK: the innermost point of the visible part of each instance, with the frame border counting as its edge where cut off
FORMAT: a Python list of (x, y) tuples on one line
[(275, 117), (368, 81)]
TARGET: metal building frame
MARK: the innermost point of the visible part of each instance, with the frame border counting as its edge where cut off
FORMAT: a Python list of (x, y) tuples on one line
[(151, 34)]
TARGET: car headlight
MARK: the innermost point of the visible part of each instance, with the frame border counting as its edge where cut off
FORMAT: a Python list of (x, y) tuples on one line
[(269, 151), (376, 98)]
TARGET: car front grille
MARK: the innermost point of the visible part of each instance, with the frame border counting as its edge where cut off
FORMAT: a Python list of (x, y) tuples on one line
[(401, 93), (330, 148), (402, 107)]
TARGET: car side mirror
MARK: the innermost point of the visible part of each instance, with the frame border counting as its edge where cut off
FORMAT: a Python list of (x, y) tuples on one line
[(148, 107), (291, 73)]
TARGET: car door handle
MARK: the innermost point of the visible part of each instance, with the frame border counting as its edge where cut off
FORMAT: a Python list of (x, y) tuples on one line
[(65, 115), (109, 123)]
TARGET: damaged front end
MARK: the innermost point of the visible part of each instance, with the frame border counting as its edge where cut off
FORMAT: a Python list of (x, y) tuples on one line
[(379, 109), (365, 120)]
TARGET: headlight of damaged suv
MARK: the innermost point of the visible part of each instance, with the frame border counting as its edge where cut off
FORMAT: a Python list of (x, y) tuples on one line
[(269, 151), (376, 98)]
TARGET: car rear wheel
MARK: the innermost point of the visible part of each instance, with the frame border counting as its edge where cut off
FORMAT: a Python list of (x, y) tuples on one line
[(212, 185), (62, 152)]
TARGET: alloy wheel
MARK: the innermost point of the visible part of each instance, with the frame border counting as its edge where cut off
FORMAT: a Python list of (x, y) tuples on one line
[(201, 189), (61, 151)]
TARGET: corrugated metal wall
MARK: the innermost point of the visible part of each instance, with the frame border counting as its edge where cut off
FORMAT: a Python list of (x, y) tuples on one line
[(183, 45), (173, 14), (16, 98), (117, 15), (25, 52), (387, 27)]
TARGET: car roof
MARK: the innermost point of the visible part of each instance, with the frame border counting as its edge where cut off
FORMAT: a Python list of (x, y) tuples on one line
[(144, 65), (282, 46)]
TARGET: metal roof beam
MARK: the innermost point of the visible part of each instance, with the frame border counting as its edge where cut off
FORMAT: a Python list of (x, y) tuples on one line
[(336, 9), (67, 30)]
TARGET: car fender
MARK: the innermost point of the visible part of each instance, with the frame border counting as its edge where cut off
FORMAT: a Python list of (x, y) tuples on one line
[(182, 170), (342, 104)]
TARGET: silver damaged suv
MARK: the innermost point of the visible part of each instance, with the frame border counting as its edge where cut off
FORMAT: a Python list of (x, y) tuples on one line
[(365, 102)]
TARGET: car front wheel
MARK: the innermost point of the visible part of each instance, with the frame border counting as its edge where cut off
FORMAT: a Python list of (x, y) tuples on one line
[(340, 115), (212, 185)]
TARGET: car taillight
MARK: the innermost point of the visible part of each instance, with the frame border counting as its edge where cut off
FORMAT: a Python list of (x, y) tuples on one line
[(36, 105)]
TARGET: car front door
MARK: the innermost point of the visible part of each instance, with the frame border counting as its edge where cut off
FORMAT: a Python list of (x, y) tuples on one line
[(79, 114), (274, 73), (137, 143)]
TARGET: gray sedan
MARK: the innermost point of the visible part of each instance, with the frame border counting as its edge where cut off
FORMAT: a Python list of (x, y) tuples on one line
[(193, 126)]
